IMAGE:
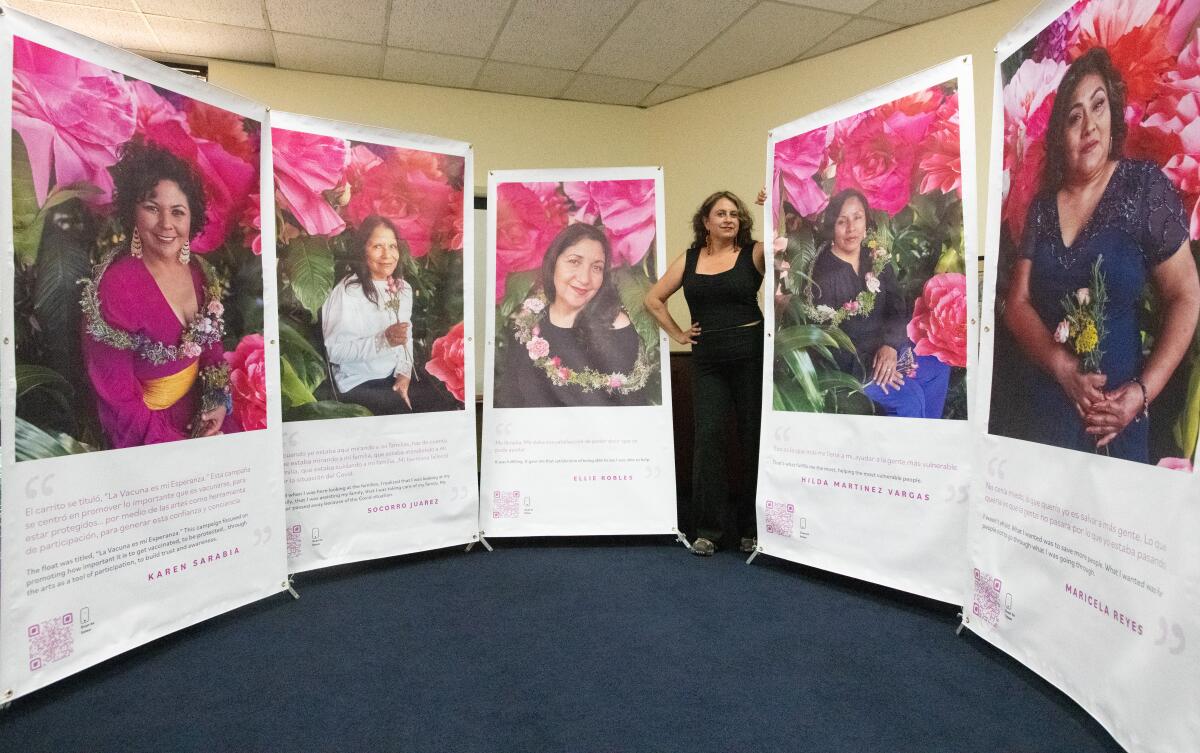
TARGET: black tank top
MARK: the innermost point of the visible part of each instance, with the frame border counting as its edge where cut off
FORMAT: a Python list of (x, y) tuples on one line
[(723, 304)]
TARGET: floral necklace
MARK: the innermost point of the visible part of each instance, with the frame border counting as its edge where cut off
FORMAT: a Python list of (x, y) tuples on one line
[(206, 327), (863, 303), (528, 333)]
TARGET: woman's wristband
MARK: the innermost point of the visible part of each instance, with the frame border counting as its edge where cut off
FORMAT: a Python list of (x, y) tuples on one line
[(1145, 399)]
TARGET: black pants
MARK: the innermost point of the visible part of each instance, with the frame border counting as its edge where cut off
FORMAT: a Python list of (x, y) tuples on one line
[(717, 387), (377, 396)]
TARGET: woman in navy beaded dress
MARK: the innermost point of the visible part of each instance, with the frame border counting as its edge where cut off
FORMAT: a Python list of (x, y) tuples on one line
[(1094, 205)]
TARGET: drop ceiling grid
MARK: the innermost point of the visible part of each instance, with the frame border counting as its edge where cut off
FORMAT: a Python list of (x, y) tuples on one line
[(634, 52)]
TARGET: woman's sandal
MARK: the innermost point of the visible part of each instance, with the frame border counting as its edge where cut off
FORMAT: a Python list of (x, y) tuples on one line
[(703, 547)]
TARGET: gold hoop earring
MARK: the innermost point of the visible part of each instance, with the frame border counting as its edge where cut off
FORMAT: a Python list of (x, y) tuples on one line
[(185, 253), (135, 245)]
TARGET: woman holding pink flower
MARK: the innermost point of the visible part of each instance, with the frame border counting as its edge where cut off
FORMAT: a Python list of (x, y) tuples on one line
[(1100, 229), (152, 323), (855, 287), (367, 321)]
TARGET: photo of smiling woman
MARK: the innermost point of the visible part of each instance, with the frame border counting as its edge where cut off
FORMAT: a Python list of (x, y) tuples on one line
[(573, 262)]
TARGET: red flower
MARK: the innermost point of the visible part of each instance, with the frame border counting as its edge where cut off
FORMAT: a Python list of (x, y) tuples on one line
[(939, 321), (447, 361), (1134, 33), (221, 126), (942, 163), (1028, 99), (251, 223), (248, 382), (528, 216), (408, 187)]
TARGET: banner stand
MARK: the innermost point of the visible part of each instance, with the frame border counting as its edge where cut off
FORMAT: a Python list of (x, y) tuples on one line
[(682, 539), (483, 541), (753, 554)]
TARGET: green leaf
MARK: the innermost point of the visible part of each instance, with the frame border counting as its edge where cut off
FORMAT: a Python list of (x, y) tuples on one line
[(805, 372), (516, 290), (322, 409), (951, 260), (801, 336), (292, 388), (30, 377), (1187, 426), (33, 443), (308, 268), (633, 286), (60, 266), (306, 363)]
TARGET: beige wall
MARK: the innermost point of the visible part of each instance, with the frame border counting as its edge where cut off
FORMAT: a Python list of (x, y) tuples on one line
[(707, 141)]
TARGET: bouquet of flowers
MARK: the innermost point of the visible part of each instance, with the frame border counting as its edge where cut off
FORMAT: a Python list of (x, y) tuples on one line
[(1083, 326)]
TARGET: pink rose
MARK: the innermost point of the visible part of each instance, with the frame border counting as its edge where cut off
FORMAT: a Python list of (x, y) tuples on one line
[(1176, 464), (216, 308), (941, 164), (872, 282), (251, 224), (615, 381), (537, 348), (780, 244), (1028, 99), (446, 362), (528, 216), (797, 161), (192, 350), (624, 207), (939, 321), (248, 382), (228, 180), (73, 117), (1062, 332), (851, 306), (564, 373), (409, 188), (307, 165), (877, 152), (534, 305)]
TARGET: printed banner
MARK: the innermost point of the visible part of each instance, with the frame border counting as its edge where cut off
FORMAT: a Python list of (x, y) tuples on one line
[(870, 359), (142, 475), (1084, 518), (376, 337), (577, 435)]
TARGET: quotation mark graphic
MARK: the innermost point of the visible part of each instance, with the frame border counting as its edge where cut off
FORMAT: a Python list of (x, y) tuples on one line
[(33, 489), (1176, 630), (958, 494), (291, 439), (503, 429), (783, 434), (262, 535), (996, 468), (654, 471)]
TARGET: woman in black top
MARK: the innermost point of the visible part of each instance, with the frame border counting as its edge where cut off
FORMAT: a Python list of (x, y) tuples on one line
[(571, 344), (720, 275)]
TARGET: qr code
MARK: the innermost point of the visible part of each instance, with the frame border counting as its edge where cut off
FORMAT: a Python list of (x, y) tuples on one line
[(293, 540), (986, 604), (51, 640), (506, 504), (779, 517)]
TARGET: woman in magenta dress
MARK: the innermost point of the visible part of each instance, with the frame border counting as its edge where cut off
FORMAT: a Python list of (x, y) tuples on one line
[(152, 322)]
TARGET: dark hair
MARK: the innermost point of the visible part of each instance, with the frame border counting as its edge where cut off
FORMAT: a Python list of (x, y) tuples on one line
[(139, 171), (745, 221), (597, 315), (829, 219), (1097, 61), (359, 274)]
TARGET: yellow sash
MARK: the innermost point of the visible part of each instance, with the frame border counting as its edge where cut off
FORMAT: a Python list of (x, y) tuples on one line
[(162, 393)]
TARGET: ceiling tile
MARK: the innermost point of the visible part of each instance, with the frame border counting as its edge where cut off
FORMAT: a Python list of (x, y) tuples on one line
[(199, 39), (356, 21), (556, 33), (430, 68), (856, 31), (769, 36), (639, 48), (612, 91), (120, 29), (327, 56), (511, 78), (448, 26), (917, 11), (843, 6), (665, 93), (226, 12)]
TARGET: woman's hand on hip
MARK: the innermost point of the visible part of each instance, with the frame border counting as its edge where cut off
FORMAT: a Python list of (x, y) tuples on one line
[(397, 334), (688, 336), (1110, 416), (885, 373)]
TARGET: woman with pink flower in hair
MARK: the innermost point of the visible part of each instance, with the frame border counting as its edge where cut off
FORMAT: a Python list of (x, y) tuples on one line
[(367, 324), (854, 284), (572, 343), (152, 323)]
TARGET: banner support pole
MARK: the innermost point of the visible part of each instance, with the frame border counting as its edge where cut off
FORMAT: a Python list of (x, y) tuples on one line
[(753, 554), (483, 541), (682, 539), (962, 623), (288, 585)]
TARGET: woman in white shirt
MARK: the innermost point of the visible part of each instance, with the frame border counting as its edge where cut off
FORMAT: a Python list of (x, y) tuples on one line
[(367, 323)]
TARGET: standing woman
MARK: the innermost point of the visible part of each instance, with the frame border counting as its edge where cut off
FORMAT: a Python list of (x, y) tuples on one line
[(720, 275)]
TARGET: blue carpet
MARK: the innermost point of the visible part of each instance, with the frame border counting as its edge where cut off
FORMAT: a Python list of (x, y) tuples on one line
[(576, 645)]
